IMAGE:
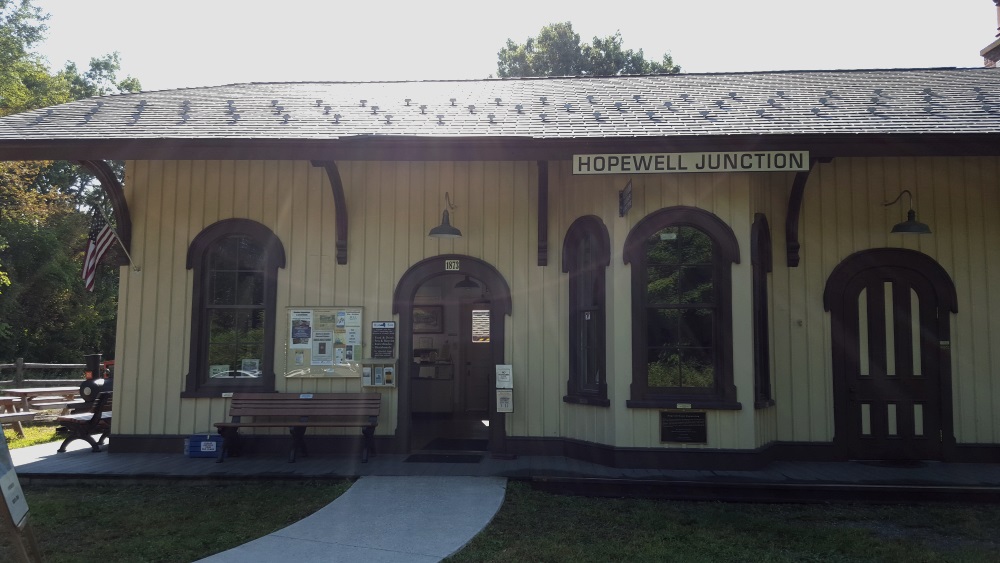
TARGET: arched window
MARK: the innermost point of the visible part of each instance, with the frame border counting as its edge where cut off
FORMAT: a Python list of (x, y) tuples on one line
[(682, 310), (586, 256), (235, 264)]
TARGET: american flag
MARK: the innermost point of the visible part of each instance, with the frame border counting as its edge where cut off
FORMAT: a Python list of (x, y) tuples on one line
[(99, 241)]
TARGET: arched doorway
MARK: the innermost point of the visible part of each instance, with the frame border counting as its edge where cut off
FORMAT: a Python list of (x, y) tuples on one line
[(890, 313), (459, 334)]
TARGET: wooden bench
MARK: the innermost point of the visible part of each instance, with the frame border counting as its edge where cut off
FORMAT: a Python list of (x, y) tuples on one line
[(298, 411), (83, 426)]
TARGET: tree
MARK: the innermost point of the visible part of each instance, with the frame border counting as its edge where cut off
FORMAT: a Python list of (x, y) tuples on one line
[(45, 312), (557, 51)]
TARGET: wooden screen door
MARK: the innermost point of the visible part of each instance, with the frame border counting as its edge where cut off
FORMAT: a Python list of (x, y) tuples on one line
[(478, 352), (889, 329)]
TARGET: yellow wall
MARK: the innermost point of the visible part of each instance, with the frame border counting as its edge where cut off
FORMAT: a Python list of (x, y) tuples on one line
[(392, 205), (843, 213)]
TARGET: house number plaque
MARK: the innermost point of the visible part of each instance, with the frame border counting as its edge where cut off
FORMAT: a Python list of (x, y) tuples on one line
[(451, 266)]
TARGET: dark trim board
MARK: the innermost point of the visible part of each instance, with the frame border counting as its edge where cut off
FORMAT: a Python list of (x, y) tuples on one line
[(262, 445), (275, 445), (506, 149)]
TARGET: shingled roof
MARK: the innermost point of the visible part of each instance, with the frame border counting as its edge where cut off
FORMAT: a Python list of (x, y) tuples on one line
[(523, 118)]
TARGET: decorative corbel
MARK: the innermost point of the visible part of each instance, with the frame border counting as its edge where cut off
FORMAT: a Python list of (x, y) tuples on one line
[(794, 209), (116, 194), (543, 213), (339, 205)]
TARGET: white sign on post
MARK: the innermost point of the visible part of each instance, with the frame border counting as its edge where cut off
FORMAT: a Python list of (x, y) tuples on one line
[(505, 376), (505, 400)]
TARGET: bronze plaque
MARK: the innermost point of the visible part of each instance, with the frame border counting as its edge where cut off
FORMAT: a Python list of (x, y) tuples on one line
[(685, 427)]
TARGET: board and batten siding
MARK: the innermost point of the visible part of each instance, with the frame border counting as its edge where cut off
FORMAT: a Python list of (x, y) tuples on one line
[(843, 213), (392, 205), (391, 208)]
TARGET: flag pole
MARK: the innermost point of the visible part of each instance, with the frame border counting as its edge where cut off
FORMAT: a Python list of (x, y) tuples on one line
[(118, 238)]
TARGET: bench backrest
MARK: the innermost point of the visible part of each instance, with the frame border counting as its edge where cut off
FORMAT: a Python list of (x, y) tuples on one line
[(305, 404), (102, 404)]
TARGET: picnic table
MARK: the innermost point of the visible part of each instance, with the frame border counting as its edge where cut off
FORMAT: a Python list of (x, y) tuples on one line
[(10, 415), (34, 398)]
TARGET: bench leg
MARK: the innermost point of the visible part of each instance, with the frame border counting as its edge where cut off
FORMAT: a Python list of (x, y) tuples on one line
[(298, 442), (78, 432), (70, 438), (230, 443), (369, 443)]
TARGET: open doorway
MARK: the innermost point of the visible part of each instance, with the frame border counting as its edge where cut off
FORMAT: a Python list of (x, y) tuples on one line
[(455, 413), (452, 363)]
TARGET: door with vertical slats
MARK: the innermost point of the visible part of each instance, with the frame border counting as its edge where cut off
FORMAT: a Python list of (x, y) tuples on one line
[(889, 328)]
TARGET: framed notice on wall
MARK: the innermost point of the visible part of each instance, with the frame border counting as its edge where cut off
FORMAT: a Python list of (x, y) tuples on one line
[(324, 342)]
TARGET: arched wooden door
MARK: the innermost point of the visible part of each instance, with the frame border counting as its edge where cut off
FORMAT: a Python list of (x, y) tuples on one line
[(890, 312)]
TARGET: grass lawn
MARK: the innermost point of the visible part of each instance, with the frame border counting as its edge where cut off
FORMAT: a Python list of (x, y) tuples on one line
[(186, 520), (169, 522), (537, 526), (118, 521), (34, 433)]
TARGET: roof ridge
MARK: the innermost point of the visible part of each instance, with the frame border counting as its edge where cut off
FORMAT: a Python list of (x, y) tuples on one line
[(557, 78)]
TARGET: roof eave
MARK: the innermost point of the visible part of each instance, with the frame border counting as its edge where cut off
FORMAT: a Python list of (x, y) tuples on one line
[(496, 148)]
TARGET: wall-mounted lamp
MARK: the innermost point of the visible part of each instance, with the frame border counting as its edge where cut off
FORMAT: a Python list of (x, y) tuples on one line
[(445, 230), (911, 225), (467, 283)]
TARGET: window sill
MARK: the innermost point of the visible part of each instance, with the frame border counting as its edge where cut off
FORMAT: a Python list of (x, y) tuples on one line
[(684, 403), (763, 403), (582, 400), (216, 391)]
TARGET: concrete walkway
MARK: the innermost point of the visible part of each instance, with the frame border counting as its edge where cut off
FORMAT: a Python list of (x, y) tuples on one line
[(384, 519)]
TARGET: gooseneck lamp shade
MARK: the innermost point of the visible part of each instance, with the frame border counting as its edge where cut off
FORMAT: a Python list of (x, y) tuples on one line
[(467, 283), (911, 225), (445, 230)]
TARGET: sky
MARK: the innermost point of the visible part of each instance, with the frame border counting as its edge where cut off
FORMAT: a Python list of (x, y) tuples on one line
[(191, 43)]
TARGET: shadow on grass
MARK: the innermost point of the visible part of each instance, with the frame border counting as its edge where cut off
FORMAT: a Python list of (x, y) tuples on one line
[(537, 526)]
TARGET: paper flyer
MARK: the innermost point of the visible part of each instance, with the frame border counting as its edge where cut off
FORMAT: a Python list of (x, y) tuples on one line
[(352, 318), (322, 348), (301, 329), (353, 336)]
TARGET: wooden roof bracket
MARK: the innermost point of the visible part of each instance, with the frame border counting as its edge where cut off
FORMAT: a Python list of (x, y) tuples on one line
[(543, 213), (792, 245), (339, 206), (116, 193)]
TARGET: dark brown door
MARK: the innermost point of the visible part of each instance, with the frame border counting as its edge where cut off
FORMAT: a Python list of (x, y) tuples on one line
[(889, 330)]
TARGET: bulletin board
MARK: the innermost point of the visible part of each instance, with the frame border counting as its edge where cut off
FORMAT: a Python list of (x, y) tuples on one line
[(324, 342)]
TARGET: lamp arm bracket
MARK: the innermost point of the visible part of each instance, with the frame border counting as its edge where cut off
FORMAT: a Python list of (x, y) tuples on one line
[(907, 192)]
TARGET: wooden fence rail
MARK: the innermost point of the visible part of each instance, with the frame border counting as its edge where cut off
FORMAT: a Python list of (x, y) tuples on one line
[(19, 366)]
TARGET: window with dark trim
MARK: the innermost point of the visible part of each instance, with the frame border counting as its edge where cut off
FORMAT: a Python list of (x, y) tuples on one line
[(761, 262), (682, 336), (235, 265), (586, 256)]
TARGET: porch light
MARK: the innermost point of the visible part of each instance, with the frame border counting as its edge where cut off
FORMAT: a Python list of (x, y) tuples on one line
[(911, 225), (445, 230), (467, 283)]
